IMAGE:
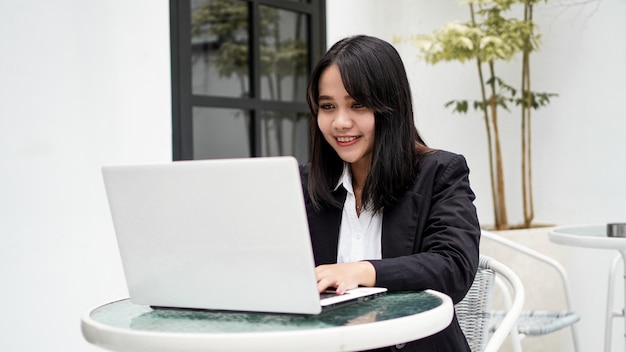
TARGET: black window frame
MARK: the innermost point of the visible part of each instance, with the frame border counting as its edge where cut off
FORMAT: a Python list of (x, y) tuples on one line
[(183, 100)]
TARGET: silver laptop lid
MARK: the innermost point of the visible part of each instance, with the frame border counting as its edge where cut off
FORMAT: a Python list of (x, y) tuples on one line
[(227, 234)]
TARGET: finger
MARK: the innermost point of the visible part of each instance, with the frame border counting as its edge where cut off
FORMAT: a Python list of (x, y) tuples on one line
[(324, 273), (323, 285), (320, 270), (342, 288)]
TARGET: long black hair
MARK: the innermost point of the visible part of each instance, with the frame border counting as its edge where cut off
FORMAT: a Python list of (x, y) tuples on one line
[(373, 74)]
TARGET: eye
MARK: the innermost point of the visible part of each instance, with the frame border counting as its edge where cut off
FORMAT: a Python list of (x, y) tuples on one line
[(357, 106), (326, 106)]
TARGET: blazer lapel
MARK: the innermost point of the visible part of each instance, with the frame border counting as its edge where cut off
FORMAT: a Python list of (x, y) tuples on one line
[(399, 233), (325, 226)]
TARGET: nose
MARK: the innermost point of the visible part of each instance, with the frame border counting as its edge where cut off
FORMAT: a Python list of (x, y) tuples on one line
[(343, 120)]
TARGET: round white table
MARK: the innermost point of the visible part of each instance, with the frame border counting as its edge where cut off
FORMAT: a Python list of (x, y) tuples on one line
[(593, 236), (589, 236), (388, 320)]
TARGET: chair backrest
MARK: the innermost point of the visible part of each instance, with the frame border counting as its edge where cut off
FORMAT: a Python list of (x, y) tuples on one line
[(538, 322), (474, 311)]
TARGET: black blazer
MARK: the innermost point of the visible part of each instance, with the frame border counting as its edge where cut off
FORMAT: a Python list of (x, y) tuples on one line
[(429, 238)]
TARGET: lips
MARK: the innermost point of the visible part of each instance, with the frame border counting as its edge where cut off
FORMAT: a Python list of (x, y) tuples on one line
[(344, 141)]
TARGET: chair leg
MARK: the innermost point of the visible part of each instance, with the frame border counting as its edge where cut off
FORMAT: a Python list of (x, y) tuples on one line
[(610, 314), (515, 336)]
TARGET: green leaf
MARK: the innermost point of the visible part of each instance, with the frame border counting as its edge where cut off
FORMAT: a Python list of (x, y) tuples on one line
[(459, 106)]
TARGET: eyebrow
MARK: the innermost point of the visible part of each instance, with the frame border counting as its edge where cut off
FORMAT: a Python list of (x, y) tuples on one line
[(328, 97), (324, 97)]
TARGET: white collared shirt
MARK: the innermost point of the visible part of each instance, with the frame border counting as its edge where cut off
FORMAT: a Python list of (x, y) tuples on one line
[(359, 236)]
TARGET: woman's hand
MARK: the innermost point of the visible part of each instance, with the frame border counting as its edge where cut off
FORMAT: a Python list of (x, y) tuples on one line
[(345, 276)]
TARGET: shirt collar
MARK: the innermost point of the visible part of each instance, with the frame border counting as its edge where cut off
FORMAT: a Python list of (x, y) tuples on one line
[(345, 179)]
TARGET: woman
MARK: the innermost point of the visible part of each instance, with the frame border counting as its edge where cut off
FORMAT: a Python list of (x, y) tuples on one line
[(384, 209)]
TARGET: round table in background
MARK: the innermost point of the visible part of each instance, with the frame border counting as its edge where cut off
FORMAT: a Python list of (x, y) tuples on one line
[(593, 236)]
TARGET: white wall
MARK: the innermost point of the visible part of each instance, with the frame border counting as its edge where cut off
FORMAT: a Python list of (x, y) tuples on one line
[(83, 83), (579, 144), (86, 83)]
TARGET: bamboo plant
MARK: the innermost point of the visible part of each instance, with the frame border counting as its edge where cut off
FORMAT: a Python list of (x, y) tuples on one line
[(491, 35)]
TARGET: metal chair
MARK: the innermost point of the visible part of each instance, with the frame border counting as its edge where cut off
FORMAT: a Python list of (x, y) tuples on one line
[(474, 311), (538, 322)]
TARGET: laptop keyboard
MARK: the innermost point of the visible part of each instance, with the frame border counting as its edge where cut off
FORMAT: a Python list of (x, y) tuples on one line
[(327, 294)]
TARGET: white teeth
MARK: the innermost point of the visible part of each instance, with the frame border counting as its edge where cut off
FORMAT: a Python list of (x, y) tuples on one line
[(345, 139)]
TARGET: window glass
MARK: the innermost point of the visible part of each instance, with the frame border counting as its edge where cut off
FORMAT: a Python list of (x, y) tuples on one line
[(220, 133), (284, 54), (285, 134), (239, 75), (219, 48)]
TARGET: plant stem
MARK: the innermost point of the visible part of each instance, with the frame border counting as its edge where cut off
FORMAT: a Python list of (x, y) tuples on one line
[(527, 198), (499, 172), (497, 213)]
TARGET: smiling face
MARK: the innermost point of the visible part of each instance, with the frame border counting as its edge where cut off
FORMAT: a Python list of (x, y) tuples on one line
[(346, 124)]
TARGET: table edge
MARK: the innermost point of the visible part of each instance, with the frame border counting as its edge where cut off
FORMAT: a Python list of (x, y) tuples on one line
[(558, 235), (355, 337)]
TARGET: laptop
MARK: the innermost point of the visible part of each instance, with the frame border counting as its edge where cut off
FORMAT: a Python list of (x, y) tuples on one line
[(225, 234)]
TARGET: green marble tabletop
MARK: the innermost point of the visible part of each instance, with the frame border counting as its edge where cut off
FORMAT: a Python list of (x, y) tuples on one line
[(126, 315), (392, 319)]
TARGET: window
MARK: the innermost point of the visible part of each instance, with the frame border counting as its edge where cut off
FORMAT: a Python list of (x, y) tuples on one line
[(239, 75)]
